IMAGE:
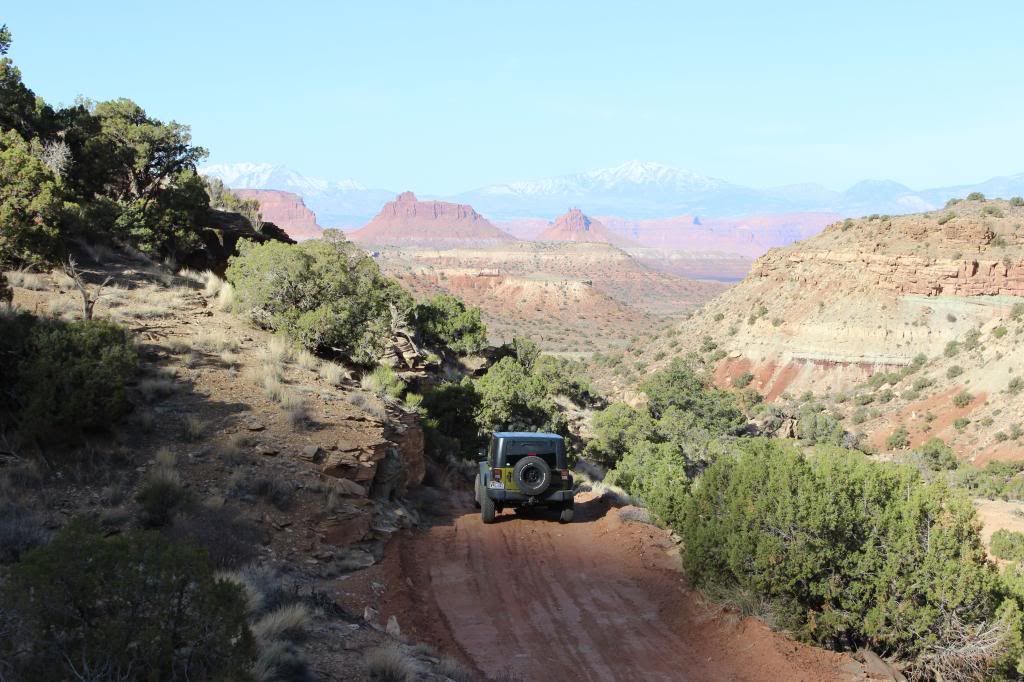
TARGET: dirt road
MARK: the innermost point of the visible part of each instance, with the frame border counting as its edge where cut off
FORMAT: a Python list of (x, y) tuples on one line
[(598, 599)]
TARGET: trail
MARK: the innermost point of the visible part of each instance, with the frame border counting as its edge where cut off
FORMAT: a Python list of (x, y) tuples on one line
[(597, 599)]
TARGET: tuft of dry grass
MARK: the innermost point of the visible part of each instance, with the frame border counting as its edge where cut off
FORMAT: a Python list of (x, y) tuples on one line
[(195, 428), (333, 373), (212, 284), (153, 389), (276, 352), (454, 670), (165, 458), (287, 622), (33, 281), (226, 297), (391, 664), (295, 406), (371, 406), (215, 341), (281, 662), (65, 308), (307, 360)]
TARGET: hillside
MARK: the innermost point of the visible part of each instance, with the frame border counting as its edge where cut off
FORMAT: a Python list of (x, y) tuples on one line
[(285, 209), (572, 296), (575, 226), (866, 297), (409, 221)]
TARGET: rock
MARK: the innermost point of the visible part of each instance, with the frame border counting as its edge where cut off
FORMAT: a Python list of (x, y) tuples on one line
[(353, 560), (253, 424), (370, 614), (350, 488), (407, 220), (392, 627), (313, 453), (286, 210), (574, 226), (877, 668), (266, 450)]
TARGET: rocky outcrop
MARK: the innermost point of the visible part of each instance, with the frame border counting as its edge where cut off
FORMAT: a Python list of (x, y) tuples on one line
[(286, 210), (409, 221), (575, 226), (220, 233), (902, 274)]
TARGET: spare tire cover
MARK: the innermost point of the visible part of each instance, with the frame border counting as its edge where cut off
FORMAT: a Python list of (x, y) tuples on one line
[(532, 474)]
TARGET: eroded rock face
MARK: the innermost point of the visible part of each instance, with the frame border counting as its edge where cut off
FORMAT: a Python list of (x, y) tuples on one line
[(575, 226), (285, 209), (409, 221)]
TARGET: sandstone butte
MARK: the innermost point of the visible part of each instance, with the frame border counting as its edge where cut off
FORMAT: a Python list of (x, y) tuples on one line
[(575, 226), (286, 210), (409, 221)]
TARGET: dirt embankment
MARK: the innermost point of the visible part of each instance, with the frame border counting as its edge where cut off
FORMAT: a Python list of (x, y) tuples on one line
[(599, 599)]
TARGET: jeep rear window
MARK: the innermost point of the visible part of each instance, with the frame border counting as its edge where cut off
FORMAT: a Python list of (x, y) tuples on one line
[(530, 447)]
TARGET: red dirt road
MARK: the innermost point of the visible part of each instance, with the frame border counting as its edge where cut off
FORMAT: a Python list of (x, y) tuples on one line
[(598, 599)]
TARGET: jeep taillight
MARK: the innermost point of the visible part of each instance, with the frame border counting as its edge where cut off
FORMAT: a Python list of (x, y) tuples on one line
[(565, 474), (497, 474)]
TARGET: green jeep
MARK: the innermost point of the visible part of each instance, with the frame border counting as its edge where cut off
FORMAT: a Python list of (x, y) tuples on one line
[(524, 470)]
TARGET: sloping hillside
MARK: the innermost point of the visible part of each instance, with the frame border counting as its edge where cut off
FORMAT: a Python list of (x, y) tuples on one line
[(867, 297), (575, 226)]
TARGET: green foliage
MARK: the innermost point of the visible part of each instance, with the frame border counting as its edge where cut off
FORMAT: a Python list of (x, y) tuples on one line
[(450, 427), (1016, 201), (972, 339), (937, 456), (946, 217), (975, 196), (327, 297), (961, 423), (30, 205), (952, 348), (1008, 544), (995, 212), (615, 430), (117, 606), (743, 380), (898, 439), (383, 382), (817, 427), (682, 387), (849, 552), (999, 332), (962, 399), (64, 378), (564, 377), (954, 371), (514, 398), (445, 321), (1015, 386)]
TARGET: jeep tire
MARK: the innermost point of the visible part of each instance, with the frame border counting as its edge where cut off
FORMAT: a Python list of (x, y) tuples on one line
[(532, 474), (486, 505), (476, 492)]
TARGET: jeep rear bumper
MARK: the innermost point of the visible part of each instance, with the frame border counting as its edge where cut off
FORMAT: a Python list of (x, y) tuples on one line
[(509, 497)]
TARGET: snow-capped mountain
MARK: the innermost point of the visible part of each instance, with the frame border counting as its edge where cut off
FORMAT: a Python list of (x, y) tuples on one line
[(636, 190)]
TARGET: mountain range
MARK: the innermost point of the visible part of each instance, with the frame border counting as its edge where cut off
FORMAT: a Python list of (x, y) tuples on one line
[(636, 189)]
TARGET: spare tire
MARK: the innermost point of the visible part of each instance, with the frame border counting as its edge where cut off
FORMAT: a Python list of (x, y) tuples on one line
[(532, 475)]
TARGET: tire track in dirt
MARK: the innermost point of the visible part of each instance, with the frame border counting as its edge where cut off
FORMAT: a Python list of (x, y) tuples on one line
[(593, 600)]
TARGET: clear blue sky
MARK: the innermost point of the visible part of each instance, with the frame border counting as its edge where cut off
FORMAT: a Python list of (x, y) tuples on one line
[(445, 96)]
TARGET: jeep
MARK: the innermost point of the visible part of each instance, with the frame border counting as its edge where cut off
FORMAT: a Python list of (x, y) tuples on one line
[(524, 471)]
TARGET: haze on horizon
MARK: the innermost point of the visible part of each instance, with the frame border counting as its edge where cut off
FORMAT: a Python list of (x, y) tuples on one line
[(456, 95)]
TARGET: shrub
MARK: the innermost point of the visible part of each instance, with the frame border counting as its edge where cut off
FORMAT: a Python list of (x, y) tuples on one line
[(819, 427), (962, 399), (121, 605), (995, 212), (954, 371), (975, 196), (1017, 312), (1007, 544), (845, 550), (615, 429), (67, 377), (952, 348), (860, 416), (391, 664), (30, 205), (999, 332), (743, 380), (972, 339), (384, 383), (961, 423), (20, 531), (946, 217), (681, 386), (1016, 201), (898, 439), (937, 455), (1015, 386), (922, 383), (446, 322), (327, 297), (160, 496)]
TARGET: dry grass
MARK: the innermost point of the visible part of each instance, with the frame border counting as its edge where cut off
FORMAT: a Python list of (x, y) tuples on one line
[(195, 428), (225, 297), (333, 373), (215, 341), (276, 352), (33, 281), (295, 406), (391, 664), (165, 458), (286, 622), (281, 662), (371, 406), (212, 284), (157, 388), (65, 308), (307, 360), (454, 670)]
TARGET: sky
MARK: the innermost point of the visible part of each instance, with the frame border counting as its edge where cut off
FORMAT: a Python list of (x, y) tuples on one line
[(448, 96)]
